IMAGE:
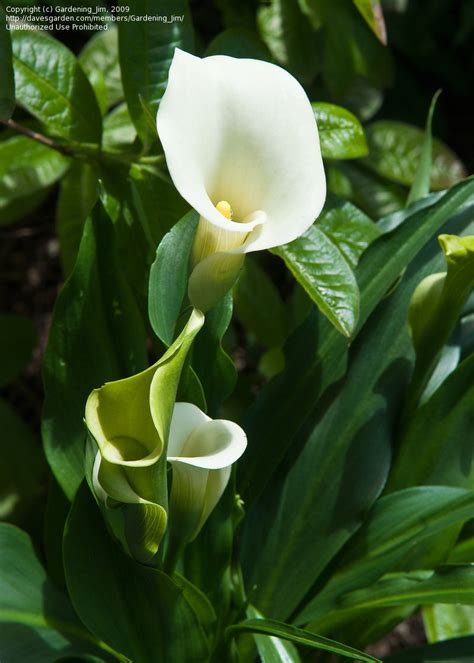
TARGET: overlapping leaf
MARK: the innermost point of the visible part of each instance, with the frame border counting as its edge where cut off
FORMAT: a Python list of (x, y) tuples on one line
[(51, 85)]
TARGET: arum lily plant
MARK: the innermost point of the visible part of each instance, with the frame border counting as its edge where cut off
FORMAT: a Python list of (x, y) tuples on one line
[(241, 145)]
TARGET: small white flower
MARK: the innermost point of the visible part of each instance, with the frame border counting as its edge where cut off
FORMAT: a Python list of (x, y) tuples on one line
[(242, 147), (201, 451)]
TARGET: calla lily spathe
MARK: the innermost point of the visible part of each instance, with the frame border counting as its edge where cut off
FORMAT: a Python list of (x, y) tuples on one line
[(201, 452), (128, 422), (242, 148)]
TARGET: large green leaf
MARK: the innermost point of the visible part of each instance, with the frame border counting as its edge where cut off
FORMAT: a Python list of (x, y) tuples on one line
[(259, 306), (38, 623), (99, 59), (139, 611), (289, 37), (320, 267), (7, 91), (77, 196), (296, 635), (449, 585), (340, 133), (345, 459), (22, 466), (96, 336), (395, 149), (146, 49), (17, 341), (27, 168), (51, 85), (169, 277), (396, 524), (321, 351), (349, 228)]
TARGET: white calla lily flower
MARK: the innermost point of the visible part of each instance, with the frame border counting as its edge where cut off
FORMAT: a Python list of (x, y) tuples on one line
[(242, 147), (201, 452)]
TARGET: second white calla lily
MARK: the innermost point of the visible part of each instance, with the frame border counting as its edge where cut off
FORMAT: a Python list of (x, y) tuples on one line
[(242, 147), (201, 451)]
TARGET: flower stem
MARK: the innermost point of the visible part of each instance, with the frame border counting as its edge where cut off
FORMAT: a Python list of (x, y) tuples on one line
[(39, 138)]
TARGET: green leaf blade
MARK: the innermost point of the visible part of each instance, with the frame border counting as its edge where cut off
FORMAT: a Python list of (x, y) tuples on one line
[(318, 265), (97, 335), (51, 85), (395, 149), (298, 636), (340, 132), (150, 610)]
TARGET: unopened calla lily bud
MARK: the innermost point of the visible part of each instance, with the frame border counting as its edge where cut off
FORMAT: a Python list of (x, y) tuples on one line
[(128, 421), (242, 147), (201, 452)]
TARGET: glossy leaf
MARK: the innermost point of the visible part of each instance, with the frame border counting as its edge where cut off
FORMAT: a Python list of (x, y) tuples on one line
[(17, 342), (395, 149), (22, 467), (77, 196), (349, 228), (340, 132), (371, 10), (320, 267), (169, 277), (270, 648), (323, 351), (289, 38), (26, 169), (145, 50), (341, 451), (100, 54), (297, 636), (150, 613), (96, 336), (259, 306), (51, 85), (7, 94), (37, 621), (422, 179), (396, 524), (448, 585)]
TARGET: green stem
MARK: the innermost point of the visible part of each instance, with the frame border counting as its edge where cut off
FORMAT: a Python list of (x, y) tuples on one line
[(89, 152)]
